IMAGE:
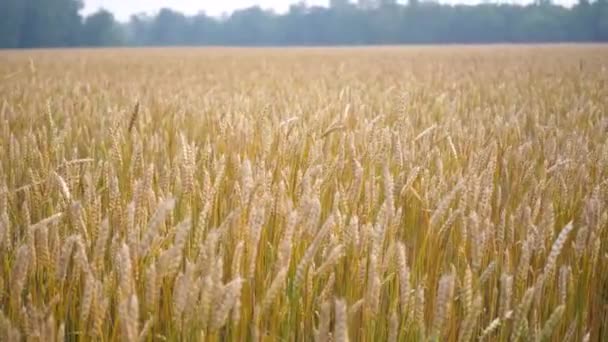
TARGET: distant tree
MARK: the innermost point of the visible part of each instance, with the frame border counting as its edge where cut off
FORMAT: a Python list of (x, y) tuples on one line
[(250, 26), (367, 4), (204, 30), (33, 23), (600, 20), (339, 4), (11, 17), (169, 28), (137, 30), (50, 23), (386, 3), (100, 29)]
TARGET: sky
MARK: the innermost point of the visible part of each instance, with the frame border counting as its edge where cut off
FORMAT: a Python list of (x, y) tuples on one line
[(122, 9)]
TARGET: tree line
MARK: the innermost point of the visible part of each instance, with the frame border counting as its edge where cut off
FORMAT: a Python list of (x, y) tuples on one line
[(58, 23)]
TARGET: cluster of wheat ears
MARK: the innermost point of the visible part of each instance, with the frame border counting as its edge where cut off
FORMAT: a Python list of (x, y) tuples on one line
[(387, 194)]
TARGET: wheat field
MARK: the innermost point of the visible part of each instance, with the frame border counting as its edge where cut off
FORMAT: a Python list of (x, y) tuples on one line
[(362, 194)]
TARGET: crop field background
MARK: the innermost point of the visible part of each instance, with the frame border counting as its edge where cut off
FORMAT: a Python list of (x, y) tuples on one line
[(362, 194)]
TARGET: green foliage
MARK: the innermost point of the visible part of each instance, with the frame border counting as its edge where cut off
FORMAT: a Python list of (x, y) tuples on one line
[(380, 22), (100, 29), (45, 23), (40, 23)]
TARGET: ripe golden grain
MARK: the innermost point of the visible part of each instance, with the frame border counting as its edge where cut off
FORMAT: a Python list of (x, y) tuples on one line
[(299, 194)]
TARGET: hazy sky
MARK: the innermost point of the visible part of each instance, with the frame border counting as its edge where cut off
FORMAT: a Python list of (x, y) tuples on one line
[(124, 8)]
